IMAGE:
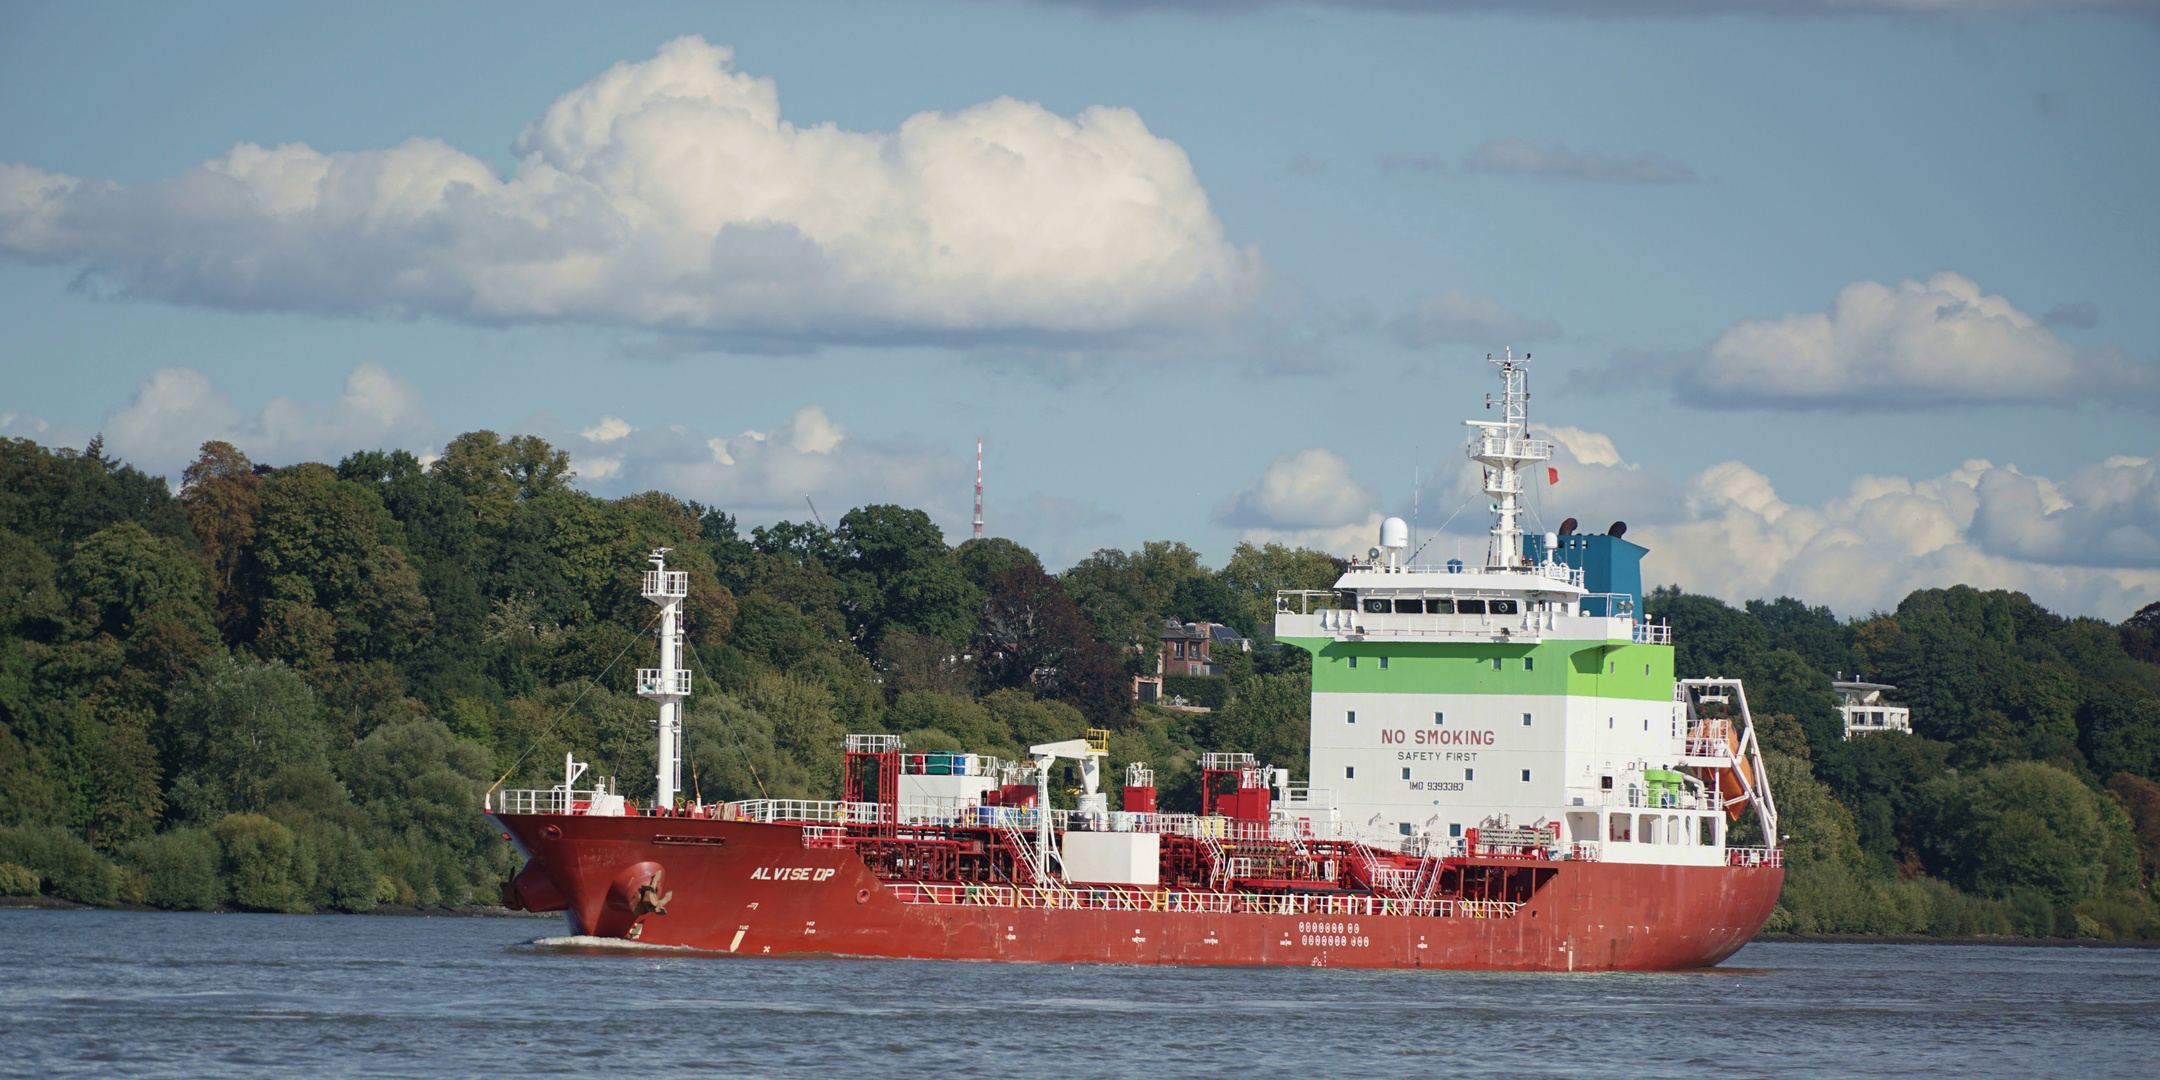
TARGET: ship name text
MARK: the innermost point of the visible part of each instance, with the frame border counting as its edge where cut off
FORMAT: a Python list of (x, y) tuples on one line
[(792, 873)]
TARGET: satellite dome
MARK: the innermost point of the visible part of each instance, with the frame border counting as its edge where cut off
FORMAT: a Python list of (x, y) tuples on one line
[(1394, 533)]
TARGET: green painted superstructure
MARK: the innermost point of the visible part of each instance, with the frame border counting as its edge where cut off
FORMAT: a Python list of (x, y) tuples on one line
[(1609, 669)]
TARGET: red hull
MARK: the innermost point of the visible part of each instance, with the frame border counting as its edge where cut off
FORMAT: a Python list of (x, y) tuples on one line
[(754, 889)]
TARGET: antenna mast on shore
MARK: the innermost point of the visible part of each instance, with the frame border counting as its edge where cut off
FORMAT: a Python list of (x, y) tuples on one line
[(978, 489)]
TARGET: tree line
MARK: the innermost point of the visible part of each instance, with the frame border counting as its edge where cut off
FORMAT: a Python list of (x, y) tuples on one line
[(286, 689), (2024, 800)]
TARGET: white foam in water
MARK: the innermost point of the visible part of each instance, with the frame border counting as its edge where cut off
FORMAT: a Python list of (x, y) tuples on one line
[(587, 941)]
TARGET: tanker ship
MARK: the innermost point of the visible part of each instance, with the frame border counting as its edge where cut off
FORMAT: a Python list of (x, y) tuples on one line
[(1504, 774)]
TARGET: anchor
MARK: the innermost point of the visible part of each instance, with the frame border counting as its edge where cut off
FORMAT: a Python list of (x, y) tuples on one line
[(650, 900)]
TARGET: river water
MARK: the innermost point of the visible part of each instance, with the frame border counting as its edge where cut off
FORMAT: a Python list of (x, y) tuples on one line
[(95, 993)]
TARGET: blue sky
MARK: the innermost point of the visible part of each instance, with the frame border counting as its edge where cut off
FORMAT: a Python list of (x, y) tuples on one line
[(1833, 301)]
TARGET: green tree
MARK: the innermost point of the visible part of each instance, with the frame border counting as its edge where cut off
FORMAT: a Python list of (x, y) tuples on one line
[(420, 787), (1255, 573), (223, 497), (984, 557), (329, 545), (180, 869), (232, 728), (122, 577), (495, 474), (259, 863), (2121, 729), (1124, 594), (58, 497), (1271, 717), (803, 727), (1812, 632), (2025, 825)]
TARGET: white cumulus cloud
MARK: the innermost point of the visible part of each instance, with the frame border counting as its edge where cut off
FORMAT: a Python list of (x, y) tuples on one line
[(175, 410), (670, 194), (1913, 345), (2088, 545), (1306, 498)]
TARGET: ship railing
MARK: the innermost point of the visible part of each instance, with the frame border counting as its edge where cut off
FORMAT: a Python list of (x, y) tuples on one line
[(1586, 851), (540, 801), (1084, 898), (1636, 797), (823, 836), (1515, 628), (1653, 634), (1306, 601), (1754, 856), (1394, 879), (1699, 746), (957, 813), (812, 812)]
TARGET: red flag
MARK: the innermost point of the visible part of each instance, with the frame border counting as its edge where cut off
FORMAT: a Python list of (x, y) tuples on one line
[(1552, 476)]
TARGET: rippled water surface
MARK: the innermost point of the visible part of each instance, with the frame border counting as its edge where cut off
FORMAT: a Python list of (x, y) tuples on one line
[(123, 994)]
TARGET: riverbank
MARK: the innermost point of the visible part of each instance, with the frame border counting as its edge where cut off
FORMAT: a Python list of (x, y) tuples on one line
[(431, 911), (1986, 939)]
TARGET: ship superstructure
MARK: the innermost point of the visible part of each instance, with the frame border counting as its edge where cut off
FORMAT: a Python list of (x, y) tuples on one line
[(1503, 774)]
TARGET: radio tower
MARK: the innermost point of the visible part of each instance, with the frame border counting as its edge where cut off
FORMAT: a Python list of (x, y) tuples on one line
[(978, 489)]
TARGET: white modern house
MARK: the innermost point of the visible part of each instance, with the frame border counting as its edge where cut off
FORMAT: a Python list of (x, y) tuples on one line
[(1866, 712)]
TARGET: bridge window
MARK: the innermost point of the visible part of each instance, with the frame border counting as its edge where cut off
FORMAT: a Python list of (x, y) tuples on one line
[(1405, 827), (1454, 828), (1435, 606), (1406, 774), (1526, 776), (1496, 663), (1353, 661), (1353, 716), (1383, 663), (1526, 719), (1501, 607), (1439, 719), (1469, 774), (1529, 663), (1409, 607), (1349, 772), (1469, 607), (1376, 605)]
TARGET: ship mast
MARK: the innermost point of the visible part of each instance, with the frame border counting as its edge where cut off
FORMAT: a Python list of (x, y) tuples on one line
[(669, 683), (1503, 447)]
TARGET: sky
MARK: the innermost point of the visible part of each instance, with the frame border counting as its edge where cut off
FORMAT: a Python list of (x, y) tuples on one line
[(1835, 299)]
